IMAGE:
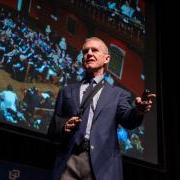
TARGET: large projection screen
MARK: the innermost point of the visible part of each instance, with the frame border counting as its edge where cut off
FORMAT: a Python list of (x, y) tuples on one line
[(40, 43)]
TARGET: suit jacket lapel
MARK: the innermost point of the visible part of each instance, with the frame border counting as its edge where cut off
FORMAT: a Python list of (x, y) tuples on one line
[(76, 95), (103, 100)]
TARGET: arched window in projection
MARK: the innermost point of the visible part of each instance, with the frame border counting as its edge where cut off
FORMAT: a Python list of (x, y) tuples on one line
[(117, 60)]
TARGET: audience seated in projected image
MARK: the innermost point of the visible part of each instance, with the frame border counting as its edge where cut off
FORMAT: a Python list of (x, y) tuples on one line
[(127, 10), (29, 55), (9, 109), (15, 110), (116, 9), (138, 16)]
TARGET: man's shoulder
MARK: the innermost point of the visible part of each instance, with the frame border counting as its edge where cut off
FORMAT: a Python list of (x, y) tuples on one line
[(71, 85), (120, 90), (115, 87)]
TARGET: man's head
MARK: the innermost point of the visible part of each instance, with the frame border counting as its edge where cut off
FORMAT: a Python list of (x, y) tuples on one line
[(96, 56)]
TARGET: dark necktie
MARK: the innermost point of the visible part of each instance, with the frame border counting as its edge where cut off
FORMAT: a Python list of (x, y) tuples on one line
[(88, 91), (85, 114)]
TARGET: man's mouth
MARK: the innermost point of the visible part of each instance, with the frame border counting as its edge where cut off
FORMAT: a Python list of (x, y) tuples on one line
[(89, 60)]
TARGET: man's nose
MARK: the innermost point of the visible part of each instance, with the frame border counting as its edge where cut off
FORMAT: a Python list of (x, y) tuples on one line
[(90, 52)]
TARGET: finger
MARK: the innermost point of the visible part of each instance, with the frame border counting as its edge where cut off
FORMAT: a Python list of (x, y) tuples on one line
[(138, 99), (70, 125), (67, 130), (147, 103), (72, 119), (148, 108), (77, 121), (151, 96)]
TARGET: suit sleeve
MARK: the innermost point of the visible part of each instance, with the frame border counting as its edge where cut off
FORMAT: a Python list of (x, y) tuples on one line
[(55, 130), (127, 114)]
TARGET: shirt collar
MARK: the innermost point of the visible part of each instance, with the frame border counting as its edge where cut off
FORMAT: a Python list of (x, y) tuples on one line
[(96, 79)]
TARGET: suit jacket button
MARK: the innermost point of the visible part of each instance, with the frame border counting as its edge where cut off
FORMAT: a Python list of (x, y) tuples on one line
[(92, 147)]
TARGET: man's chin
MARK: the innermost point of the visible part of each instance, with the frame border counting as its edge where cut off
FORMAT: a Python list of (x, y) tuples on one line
[(89, 67)]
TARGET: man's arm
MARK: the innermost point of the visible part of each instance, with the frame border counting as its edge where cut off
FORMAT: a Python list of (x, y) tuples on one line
[(131, 117), (61, 127), (56, 123)]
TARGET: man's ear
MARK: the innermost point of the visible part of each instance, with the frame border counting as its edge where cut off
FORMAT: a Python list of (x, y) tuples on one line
[(108, 58)]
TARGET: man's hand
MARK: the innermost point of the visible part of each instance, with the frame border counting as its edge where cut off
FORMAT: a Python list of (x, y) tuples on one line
[(144, 104), (71, 124)]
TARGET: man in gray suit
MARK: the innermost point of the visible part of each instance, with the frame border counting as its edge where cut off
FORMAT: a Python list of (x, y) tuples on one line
[(90, 148)]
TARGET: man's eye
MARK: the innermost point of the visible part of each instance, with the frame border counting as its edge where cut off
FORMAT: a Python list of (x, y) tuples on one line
[(94, 50), (85, 51)]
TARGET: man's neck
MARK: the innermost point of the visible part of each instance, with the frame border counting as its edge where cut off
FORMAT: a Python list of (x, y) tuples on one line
[(93, 74)]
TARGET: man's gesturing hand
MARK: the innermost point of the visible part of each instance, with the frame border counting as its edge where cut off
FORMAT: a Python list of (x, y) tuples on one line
[(71, 124), (144, 103)]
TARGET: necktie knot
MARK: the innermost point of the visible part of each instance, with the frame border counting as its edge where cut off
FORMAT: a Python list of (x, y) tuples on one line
[(89, 81), (88, 90)]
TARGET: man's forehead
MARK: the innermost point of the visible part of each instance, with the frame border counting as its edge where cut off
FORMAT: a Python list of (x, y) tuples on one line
[(91, 41), (94, 43)]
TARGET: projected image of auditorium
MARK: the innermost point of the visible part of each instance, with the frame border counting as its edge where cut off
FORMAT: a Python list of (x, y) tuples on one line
[(40, 53)]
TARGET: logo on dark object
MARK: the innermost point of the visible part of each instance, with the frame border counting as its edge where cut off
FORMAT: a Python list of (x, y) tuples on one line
[(14, 174)]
